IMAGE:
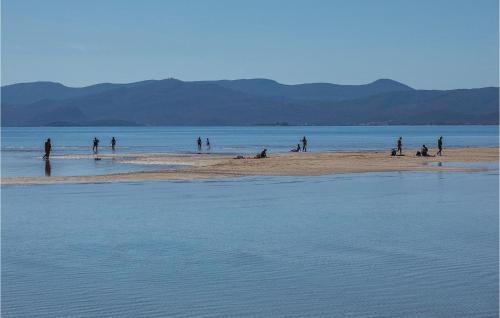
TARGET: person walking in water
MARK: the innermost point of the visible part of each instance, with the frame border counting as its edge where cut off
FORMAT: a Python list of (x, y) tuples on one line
[(440, 146), (113, 143), (48, 148), (208, 144), (400, 146), (304, 144), (95, 144), (199, 144)]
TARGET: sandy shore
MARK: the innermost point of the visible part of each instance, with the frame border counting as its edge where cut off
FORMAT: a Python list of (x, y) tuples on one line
[(208, 166)]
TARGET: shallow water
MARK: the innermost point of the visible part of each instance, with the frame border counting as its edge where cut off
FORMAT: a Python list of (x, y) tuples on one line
[(410, 244), (22, 147)]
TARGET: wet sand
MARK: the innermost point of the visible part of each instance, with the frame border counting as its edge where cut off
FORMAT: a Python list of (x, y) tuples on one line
[(210, 166)]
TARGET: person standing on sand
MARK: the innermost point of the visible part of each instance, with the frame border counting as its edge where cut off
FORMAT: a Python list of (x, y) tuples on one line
[(199, 144), (113, 143), (304, 144), (48, 148), (95, 144), (440, 146), (208, 144), (400, 146)]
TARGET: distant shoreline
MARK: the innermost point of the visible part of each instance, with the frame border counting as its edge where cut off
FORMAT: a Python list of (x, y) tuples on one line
[(215, 166), (257, 125)]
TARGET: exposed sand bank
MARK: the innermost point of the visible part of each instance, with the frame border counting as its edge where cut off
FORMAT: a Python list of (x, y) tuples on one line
[(207, 166)]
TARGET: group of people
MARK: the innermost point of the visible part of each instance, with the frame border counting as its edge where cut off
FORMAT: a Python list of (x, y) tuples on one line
[(199, 143), (423, 152), (304, 145), (95, 146)]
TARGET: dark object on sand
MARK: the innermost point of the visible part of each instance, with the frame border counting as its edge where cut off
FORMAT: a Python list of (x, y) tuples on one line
[(296, 149), (393, 152), (239, 157), (262, 154)]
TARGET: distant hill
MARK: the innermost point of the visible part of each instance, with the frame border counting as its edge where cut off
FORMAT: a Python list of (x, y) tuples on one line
[(314, 91), (243, 102)]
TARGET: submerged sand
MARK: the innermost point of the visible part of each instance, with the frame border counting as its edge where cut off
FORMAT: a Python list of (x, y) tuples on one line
[(209, 166)]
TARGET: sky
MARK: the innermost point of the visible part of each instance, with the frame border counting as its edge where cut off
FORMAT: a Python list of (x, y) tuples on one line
[(427, 44)]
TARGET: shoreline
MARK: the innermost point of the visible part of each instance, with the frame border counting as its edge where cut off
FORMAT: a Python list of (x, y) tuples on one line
[(216, 166)]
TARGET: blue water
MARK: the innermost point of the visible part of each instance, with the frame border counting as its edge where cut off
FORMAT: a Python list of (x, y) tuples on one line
[(407, 244), (22, 148), (356, 245)]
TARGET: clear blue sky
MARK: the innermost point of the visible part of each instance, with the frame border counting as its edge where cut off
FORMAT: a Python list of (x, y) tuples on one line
[(428, 44)]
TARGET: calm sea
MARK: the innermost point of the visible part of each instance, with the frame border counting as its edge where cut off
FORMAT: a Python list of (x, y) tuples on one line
[(408, 244)]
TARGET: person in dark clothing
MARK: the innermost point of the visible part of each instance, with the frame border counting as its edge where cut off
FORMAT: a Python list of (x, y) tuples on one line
[(424, 151), (95, 144), (262, 154), (304, 144), (296, 149), (440, 146), (208, 144), (48, 148), (113, 143), (199, 144), (400, 145)]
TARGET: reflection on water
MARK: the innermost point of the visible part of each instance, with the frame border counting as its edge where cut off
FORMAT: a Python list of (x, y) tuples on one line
[(356, 245), (48, 169)]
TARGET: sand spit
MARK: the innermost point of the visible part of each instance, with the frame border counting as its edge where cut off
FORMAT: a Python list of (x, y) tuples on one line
[(210, 166)]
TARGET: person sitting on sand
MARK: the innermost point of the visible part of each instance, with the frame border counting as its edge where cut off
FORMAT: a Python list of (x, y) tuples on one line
[(261, 155), (440, 146), (48, 148), (400, 146), (95, 144), (304, 144), (424, 151), (296, 149)]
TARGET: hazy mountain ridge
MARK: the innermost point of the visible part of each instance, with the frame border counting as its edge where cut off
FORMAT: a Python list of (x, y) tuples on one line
[(243, 102)]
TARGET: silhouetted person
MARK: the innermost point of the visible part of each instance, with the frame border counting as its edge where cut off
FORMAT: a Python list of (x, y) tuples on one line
[(424, 151), (262, 154), (199, 144), (400, 145), (48, 169), (95, 144), (113, 143), (296, 149), (440, 146), (304, 144), (48, 148), (208, 144)]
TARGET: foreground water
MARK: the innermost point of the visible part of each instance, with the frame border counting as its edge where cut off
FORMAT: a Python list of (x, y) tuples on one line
[(356, 245), (22, 148)]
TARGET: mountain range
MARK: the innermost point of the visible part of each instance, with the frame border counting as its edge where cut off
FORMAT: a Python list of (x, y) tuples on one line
[(243, 102)]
